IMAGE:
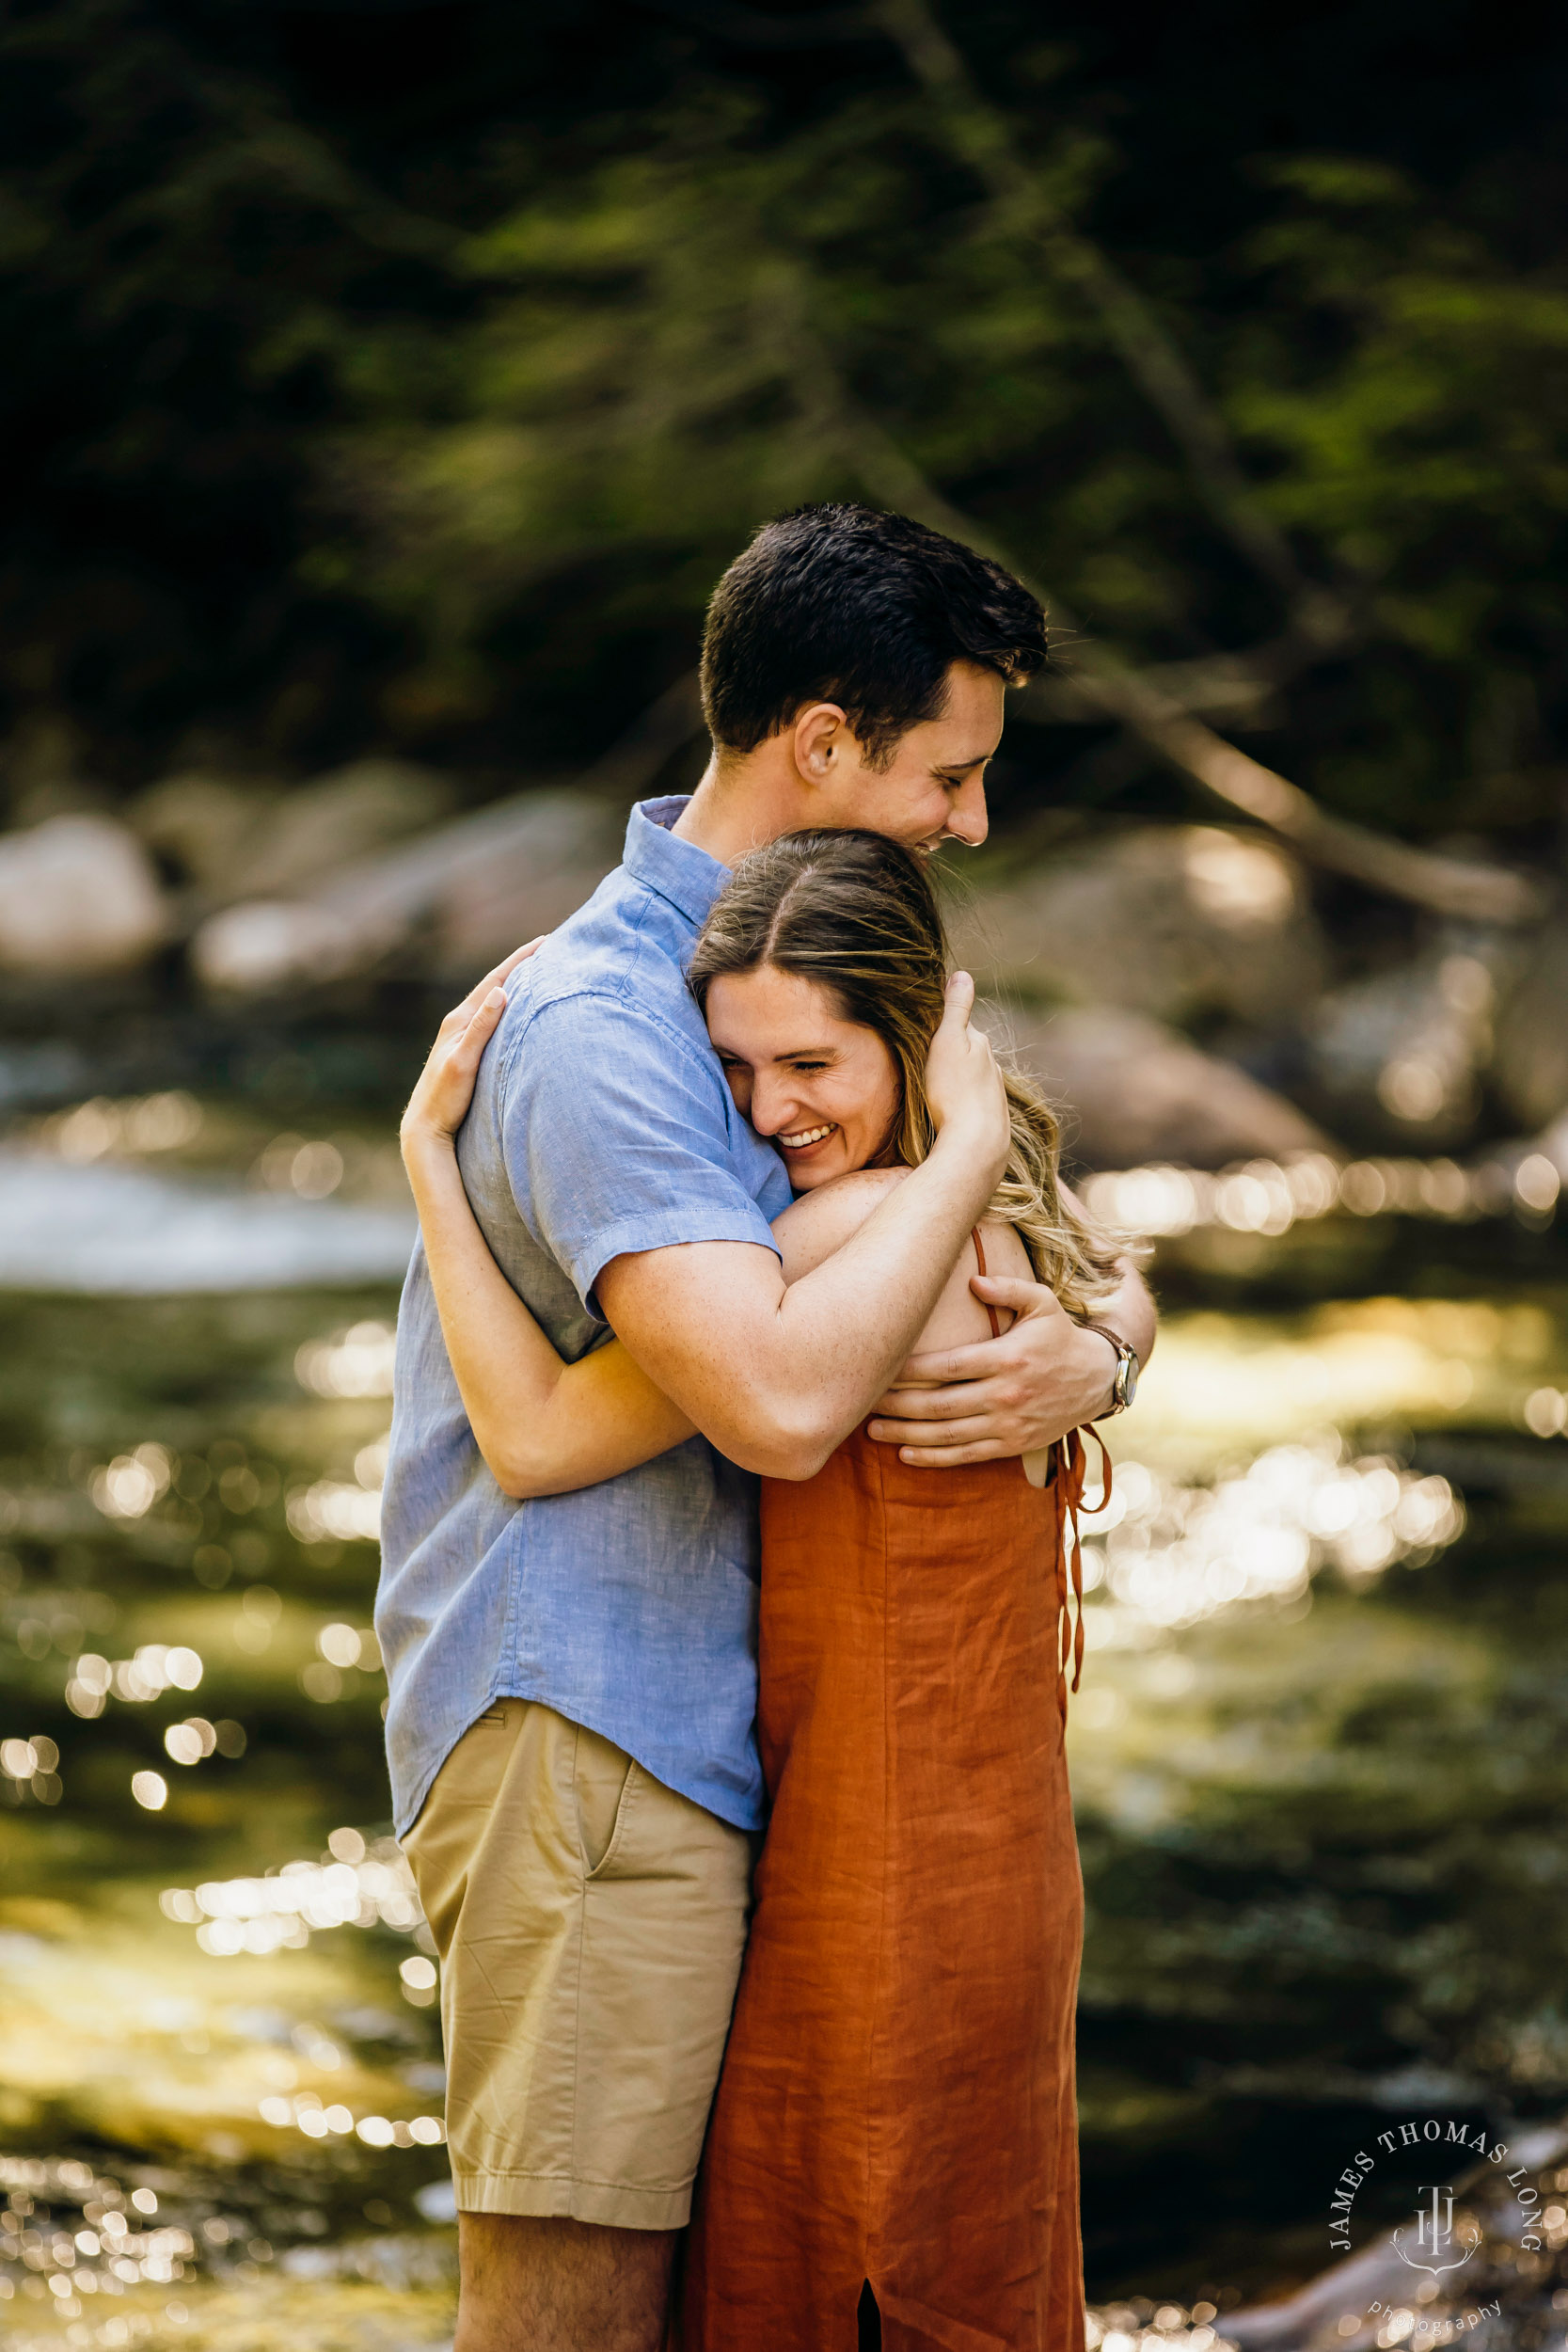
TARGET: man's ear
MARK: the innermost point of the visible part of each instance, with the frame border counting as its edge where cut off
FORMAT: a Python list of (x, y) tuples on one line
[(821, 741)]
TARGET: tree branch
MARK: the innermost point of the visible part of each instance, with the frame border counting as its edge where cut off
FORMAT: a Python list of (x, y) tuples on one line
[(753, 28), (980, 134), (1462, 887), (1226, 686)]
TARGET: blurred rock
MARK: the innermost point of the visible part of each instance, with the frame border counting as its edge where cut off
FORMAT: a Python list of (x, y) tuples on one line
[(347, 814), (461, 896), (1171, 920), (1138, 1091), (235, 839), (77, 895), (268, 944), (202, 824), (1530, 1067), (1403, 1052)]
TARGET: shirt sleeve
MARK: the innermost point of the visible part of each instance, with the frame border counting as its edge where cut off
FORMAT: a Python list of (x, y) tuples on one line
[(619, 1135)]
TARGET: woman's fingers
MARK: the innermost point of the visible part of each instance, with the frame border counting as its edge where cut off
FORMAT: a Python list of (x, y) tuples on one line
[(959, 1001), (454, 1066), (477, 1032), (481, 989), (963, 1081), (507, 965), (445, 1088)]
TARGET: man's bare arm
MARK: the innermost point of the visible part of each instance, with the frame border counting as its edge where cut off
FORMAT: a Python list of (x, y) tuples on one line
[(777, 1377)]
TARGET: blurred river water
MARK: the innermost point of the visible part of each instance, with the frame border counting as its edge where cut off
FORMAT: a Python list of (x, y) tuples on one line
[(1319, 1759)]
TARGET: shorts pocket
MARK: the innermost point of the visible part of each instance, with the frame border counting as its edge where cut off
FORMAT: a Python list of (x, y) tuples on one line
[(602, 1775)]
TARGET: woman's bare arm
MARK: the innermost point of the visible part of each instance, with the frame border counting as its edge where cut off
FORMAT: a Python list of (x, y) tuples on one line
[(544, 1426), (820, 1222)]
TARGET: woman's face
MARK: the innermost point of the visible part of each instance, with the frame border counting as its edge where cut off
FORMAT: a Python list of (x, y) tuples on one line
[(823, 1089)]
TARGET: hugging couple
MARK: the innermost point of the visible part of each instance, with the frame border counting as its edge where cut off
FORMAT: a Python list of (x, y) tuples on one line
[(683, 1545)]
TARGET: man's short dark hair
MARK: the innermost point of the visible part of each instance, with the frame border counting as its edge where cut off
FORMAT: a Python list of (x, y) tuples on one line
[(843, 604)]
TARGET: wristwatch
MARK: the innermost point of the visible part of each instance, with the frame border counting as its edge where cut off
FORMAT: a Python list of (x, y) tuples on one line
[(1124, 1388)]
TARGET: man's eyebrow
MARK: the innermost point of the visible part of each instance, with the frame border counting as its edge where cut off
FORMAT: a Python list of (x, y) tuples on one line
[(975, 760)]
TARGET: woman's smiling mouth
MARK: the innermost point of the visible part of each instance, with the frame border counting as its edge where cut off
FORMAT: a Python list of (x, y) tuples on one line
[(804, 1140)]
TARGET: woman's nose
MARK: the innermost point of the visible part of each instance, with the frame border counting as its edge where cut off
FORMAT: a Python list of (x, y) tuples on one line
[(773, 1108)]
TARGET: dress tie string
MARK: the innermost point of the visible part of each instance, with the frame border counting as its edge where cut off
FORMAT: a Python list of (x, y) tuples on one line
[(1069, 1459)]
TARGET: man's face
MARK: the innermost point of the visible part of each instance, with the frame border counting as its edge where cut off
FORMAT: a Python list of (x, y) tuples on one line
[(934, 788)]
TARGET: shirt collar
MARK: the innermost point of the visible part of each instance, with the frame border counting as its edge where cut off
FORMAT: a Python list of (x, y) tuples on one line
[(678, 870)]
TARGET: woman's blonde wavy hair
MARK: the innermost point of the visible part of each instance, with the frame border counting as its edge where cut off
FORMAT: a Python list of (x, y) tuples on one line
[(856, 913)]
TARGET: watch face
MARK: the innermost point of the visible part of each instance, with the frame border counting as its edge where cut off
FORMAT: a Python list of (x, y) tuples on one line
[(1127, 1383)]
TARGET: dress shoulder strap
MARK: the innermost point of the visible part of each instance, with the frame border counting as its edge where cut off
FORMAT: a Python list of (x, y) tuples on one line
[(980, 1261)]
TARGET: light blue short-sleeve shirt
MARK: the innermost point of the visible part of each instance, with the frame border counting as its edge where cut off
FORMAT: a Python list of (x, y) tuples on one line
[(601, 1125)]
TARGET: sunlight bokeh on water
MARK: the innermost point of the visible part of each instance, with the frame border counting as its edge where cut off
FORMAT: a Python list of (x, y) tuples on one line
[(1315, 1756)]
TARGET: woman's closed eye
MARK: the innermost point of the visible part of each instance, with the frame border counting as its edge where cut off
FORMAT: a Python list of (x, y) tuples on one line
[(734, 1066)]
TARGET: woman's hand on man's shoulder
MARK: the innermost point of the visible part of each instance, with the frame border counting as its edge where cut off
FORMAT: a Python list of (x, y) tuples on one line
[(445, 1087)]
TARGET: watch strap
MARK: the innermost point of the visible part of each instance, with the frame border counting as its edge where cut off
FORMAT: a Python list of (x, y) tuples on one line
[(1126, 1372)]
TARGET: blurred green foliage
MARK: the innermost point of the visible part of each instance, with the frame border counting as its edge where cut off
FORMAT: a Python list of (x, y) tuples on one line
[(403, 376)]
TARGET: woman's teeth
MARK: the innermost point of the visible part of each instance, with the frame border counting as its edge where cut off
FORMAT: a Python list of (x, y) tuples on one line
[(807, 1136)]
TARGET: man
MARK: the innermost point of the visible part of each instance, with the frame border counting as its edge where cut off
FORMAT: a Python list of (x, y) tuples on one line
[(573, 1680)]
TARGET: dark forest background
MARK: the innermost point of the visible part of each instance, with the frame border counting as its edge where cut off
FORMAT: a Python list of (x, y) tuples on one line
[(397, 378)]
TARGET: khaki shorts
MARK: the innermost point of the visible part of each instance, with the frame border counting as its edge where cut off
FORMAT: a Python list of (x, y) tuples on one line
[(591, 1925)]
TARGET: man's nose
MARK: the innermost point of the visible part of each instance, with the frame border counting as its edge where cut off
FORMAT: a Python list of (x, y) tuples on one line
[(967, 819)]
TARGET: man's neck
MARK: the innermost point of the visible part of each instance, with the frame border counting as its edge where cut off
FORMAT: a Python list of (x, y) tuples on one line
[(739, 809)]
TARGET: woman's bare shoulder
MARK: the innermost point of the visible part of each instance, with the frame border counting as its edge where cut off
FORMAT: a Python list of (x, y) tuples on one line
[(822, 1220), (958, 1318)]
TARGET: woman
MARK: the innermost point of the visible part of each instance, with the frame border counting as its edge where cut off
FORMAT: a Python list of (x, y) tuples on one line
[(893, 2135)]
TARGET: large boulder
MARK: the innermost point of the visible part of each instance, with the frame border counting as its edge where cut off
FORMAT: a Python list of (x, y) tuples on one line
[(1134, 1091), (78, 894), (1176, 921)]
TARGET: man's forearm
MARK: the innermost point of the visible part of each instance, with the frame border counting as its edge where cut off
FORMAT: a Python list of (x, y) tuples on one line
[(776, 1377)]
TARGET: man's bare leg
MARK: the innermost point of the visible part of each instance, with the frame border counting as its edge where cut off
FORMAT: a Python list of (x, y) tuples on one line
[(529, 2286)]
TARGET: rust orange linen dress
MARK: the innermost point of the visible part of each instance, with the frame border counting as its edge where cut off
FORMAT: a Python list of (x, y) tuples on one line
[(897, 2099)]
